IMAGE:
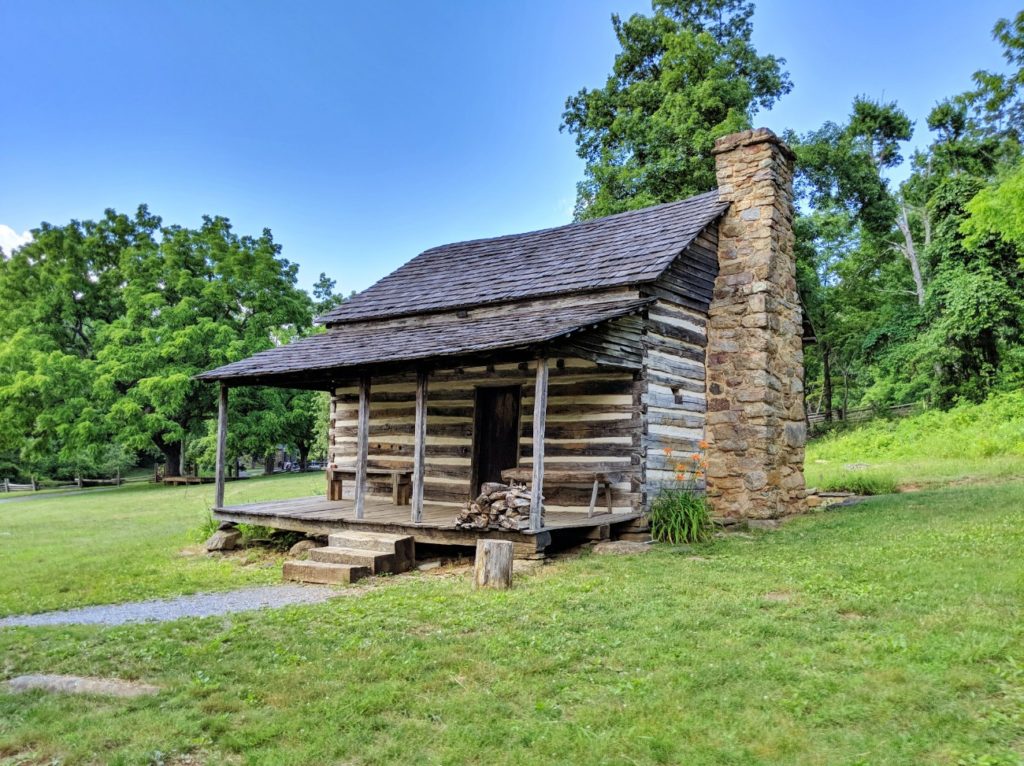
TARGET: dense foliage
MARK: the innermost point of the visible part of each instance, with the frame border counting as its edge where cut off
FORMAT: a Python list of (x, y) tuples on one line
[(686, 75), (912, 292), (106, 322)]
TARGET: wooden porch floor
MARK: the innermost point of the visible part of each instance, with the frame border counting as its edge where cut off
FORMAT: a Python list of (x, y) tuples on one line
[(319, 516)]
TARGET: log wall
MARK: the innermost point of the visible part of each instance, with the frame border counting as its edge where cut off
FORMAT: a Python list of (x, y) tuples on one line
[(674, 367), (593, 422)]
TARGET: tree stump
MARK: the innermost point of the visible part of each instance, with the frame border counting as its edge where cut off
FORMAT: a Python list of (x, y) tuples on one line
[(493, 565)]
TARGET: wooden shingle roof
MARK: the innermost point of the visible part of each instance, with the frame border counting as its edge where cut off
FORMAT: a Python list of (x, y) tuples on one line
[(450, 334), (624, 249)]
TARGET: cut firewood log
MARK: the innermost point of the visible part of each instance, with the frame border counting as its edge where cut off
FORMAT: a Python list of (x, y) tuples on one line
[(499, 506)]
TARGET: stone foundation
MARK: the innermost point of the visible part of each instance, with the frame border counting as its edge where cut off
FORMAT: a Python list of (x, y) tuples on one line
[(755, 420)]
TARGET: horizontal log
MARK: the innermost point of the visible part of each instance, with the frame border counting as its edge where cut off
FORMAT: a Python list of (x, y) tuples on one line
[(676, 332), (666, 309), (579, 449), (674, 382), (584, 429), (684, 368), (677, 348), (680, 418)]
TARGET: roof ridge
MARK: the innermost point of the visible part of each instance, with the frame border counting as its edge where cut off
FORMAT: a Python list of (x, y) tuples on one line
[(572, 224), (627, 248)]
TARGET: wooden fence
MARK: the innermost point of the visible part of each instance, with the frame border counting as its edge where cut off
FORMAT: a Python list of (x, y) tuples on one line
[(865, 413)]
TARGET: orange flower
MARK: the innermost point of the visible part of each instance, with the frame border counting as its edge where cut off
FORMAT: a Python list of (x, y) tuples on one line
[(702, 444), (680, 467), (695, 457), (680, 477), (667, 450)]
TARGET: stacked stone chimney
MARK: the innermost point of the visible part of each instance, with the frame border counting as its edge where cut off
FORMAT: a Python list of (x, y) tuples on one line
[(755, 421)]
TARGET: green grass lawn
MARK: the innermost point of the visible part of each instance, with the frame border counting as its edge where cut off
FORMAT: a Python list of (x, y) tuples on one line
[(890, 632), (128, 543)]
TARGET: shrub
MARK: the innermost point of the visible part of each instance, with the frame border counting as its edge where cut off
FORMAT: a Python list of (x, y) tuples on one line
[(680, 516), (860, 483)]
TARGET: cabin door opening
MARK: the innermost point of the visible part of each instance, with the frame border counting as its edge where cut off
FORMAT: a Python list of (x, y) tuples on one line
[(495, 433)]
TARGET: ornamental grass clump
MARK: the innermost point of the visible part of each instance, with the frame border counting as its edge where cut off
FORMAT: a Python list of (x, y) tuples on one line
[(680, 512)]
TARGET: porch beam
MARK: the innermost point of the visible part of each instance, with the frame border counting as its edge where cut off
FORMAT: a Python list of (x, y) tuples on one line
[(362, 444), (540, 412), (222, 444), (419, 452)]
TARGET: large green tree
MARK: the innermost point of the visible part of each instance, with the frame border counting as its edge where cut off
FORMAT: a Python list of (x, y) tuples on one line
[(686, 75), (107, 322)]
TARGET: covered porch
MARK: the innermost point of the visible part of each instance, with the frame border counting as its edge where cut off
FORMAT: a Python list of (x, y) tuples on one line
[(427, 412), (320, 516)]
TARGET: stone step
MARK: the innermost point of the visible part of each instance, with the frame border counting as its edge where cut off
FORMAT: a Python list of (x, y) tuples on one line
[(635, 537), (323, 572), (377, 561), (402, 546)]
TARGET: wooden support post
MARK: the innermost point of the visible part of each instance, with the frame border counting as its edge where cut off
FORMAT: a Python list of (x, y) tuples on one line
[(222, 445), (419, 451), (492, 567), (540, 412), (7, 485), (362, 444), (593, 498)]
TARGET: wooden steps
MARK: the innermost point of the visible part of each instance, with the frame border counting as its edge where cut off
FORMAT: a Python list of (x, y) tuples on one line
[(377, 562), (352, 555), (323, 573)]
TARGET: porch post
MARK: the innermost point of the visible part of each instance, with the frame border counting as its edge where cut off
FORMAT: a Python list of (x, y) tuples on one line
[(362, 444), (540, 412), (419, 452), (222, 443)]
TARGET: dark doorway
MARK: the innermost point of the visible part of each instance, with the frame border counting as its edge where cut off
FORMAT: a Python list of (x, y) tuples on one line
[(495, 433)]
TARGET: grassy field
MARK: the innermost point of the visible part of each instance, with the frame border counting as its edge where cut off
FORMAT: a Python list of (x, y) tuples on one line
[(133, 542), (968, 444), (890, 632)]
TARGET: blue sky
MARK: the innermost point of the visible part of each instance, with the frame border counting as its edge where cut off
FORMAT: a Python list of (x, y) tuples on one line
[(363, 133)]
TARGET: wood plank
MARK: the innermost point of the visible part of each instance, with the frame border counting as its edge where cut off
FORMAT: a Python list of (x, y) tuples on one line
[(222, 441), (362, 445), (540, 407), (419, 447)]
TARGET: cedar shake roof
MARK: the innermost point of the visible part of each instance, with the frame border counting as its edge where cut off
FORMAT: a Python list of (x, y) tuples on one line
[(437, 335), (624, 249)]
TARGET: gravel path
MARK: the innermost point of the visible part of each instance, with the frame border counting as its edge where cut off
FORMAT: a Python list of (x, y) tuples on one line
[(164, 609)]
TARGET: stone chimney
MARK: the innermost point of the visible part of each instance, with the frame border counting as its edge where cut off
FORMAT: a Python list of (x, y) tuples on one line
[(755, 372)]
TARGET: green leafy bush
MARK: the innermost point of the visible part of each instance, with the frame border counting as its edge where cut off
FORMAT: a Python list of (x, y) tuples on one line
[(680, 516)]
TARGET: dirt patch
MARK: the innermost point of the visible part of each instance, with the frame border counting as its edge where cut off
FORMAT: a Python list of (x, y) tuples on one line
[(57, 684), (621, 547)]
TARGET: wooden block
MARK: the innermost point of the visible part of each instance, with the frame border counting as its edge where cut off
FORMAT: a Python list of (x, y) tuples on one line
[(323, 573), (493, 565)]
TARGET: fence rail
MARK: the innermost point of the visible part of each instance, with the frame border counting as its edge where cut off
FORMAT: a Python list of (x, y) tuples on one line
[(865, 413)]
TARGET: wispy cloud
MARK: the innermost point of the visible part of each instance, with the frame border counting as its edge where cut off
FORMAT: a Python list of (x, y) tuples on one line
[(10, 240)]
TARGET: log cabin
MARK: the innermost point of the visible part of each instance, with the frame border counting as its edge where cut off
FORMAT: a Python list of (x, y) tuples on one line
[(580, 363)]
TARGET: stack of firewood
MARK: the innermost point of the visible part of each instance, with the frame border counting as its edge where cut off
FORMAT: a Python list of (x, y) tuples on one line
[(499, 506)]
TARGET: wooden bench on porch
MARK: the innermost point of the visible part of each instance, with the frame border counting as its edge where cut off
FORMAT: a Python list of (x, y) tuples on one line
[(555, 476), (401, 481)]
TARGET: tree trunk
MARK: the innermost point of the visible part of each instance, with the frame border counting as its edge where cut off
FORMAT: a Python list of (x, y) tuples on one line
[(910, 253), (303, 448), (268, 463), (826, 373), (172, 456), (493, 564)]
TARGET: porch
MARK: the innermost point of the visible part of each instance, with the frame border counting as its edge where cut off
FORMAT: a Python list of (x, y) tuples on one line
[(320, 516)]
